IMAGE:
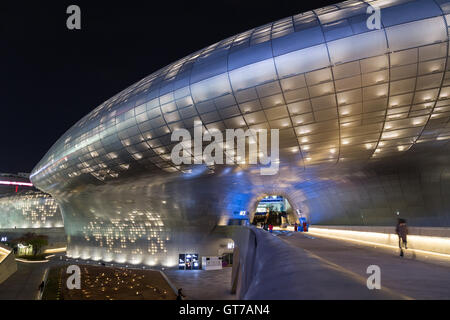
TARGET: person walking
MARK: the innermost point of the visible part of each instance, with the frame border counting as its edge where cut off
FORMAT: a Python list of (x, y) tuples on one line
[(270, 228), (402, 231), (265, 222)]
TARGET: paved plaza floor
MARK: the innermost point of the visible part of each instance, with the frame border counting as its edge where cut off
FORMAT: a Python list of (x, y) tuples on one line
[(203, 284)]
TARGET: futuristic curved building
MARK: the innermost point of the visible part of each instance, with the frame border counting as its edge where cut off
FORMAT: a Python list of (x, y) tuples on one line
[(23, 207), (362, 111)]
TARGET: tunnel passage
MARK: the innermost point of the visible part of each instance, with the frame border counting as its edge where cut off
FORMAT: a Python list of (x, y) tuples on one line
[(274, 210)]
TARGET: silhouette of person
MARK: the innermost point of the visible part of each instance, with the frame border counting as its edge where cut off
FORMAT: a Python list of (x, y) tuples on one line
[(402, 231), (180, 294)]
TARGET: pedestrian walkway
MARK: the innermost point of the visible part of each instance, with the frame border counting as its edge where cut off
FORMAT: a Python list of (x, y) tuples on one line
[(406, 276), (24, 283)]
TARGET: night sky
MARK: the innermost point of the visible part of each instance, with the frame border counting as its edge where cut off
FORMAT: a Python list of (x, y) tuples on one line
[(51, 77)]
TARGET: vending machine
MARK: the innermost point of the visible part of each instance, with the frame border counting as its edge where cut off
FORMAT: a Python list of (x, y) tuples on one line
[(188, 261)]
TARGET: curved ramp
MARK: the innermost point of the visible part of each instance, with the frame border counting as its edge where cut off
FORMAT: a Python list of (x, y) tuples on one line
[(270, 269)]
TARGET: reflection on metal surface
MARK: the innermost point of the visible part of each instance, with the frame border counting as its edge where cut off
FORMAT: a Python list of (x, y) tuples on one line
[(433, 246), (29, 209), (16, 183), (363, 119)]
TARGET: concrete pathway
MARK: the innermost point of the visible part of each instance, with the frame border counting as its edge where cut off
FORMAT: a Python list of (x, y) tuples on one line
[(408, 277), (405, 276), (24, 283)]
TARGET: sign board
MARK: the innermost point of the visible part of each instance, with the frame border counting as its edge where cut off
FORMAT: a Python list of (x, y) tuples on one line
[(211, 263)]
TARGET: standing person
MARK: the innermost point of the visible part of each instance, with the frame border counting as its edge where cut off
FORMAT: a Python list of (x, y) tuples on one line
[(180, 294), (41, 286), (402, 231), (295, 227), (270, 228), (266, 220)]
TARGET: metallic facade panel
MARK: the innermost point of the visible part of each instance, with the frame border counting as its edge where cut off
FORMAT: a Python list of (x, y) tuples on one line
[(29, 209)]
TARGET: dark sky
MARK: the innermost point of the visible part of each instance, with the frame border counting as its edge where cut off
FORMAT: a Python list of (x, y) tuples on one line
[(51, 77)]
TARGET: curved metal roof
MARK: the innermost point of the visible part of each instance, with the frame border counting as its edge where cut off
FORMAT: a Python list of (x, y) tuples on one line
[(336, 90)]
